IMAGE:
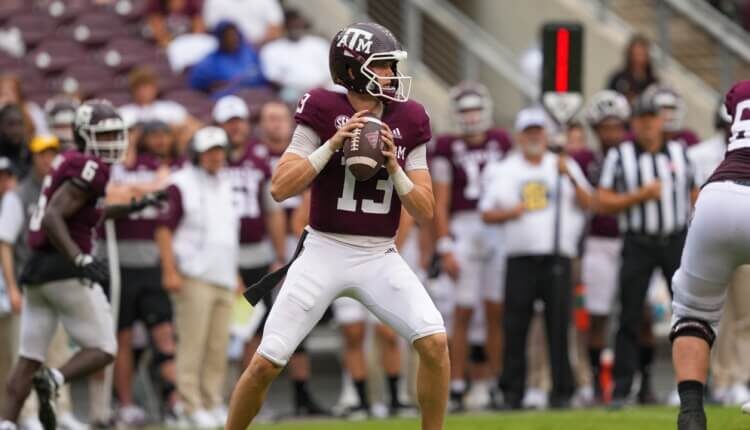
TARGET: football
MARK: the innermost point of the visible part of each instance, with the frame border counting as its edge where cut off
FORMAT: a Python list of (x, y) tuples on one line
[(363, 151)]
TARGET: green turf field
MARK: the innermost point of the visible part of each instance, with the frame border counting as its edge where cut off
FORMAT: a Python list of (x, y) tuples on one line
[(656, 418)]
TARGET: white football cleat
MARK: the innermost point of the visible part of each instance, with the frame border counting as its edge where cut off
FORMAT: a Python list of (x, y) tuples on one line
[(203, 419), (535, 398), (131, 416), (746, 408), (478, 397), (68, 421)]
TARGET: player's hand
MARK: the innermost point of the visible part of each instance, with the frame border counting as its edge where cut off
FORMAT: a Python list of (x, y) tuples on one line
[(389, 149), (16, 299), (150, 199), (96, 271), (347, 130), (171, 280), (450, 265), (652, 190)]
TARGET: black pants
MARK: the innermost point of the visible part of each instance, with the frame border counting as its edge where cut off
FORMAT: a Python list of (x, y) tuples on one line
[(641, 255), (528, 279)]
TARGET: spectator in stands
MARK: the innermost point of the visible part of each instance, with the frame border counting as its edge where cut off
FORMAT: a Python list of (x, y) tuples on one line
[(168, 19), (637, 72), (198, 240), (13, 138), (147, 106), (33, 117), (11, 224), (259, 20), (234, 64), (297, 62)]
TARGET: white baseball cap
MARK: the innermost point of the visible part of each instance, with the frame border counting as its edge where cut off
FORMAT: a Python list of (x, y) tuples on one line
[(531, 117), (209, 137), (229, 107)]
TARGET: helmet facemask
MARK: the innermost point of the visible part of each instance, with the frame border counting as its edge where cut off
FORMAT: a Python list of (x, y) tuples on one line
[(399, 85), (473, 114), (108, 140)]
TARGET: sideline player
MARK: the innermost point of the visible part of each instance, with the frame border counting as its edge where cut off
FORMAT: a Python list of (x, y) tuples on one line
[(608, 114), (348, 249), (718, 242), (62, 280), (466, 253)]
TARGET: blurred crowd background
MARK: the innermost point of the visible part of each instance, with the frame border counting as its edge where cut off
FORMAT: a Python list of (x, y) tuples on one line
[(168, 65)]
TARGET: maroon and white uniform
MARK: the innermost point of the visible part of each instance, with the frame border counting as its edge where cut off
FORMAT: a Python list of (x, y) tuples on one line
[(349, 250), (602, 247), (250, 177), (718, 240), (54, 291), (455, 162)]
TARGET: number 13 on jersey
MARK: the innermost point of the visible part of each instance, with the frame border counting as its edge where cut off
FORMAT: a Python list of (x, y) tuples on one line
[(348, 203)]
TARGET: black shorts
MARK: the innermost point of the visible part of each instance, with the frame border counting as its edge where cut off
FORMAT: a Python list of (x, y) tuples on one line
[(142, 298)]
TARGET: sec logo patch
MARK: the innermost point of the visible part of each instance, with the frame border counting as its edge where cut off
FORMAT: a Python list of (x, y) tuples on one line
[(340, 121)]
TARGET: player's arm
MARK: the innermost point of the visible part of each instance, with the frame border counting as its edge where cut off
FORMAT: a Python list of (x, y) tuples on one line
[(611, 202), (168, 221), (275, 220), (68, 199), (301, 215), (582, 188), (115, 211), (405, 225), (414, 187), (442, 182), (304, 158)]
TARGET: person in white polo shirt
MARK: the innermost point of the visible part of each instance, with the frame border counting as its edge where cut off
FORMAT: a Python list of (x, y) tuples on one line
[(540, 240), (198, 239)]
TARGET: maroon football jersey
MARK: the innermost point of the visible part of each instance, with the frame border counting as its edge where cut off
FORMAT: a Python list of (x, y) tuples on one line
[(687, 137), (735, 167), (140, 225), (736, 164), (591, 165), (87, 169), (249, 175), (467, 162), (339, 203)]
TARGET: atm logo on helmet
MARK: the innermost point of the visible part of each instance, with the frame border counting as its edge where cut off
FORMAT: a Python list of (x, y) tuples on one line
[(356, 40)]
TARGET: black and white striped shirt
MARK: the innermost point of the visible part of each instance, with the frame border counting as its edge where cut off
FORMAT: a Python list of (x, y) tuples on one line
[(628, 167)]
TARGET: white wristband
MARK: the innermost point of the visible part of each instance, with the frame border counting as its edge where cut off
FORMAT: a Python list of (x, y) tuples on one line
[(319, 158), (401, 182), (445, 245)]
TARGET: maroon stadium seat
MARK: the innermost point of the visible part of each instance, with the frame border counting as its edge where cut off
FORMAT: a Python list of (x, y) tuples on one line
[(131, 10), (96, 28), (67, 10), (84, 79), (123, 53), (118, 98), (55, 55), (11, 8), (34, 27)]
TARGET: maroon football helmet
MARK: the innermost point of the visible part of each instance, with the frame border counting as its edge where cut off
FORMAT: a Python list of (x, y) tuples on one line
[(355, 48), (99, 130)]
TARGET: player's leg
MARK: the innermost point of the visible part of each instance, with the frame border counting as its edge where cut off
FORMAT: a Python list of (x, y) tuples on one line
[(124, 369), (307, 291), (390, 351), (493, 292), (716, 244), (38, 326), (86, 316), (467, 293), (557, 295), (519, 309), (351, 316), (395, 295), (634, 277)]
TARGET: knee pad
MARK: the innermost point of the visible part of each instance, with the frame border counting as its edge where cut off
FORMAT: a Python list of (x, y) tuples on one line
[(693, 327), (477, 354), (161, 358)]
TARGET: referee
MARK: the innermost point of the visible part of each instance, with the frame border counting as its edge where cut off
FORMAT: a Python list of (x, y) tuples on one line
[(649, 183)]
